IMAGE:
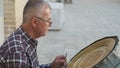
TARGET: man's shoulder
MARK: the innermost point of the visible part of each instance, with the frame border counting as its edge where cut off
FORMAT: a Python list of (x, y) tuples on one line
[(13, 42), (11, 47), (15, 38)]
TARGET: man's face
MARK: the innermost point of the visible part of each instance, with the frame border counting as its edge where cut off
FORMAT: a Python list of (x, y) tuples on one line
[(44, 22)]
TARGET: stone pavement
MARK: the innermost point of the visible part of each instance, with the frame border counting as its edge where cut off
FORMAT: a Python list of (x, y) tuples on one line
[(85, 22)]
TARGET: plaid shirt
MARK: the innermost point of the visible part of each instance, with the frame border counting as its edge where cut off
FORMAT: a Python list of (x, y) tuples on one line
[(19, 51)]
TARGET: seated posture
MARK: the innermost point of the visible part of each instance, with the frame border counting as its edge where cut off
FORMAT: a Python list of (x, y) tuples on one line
[(19, 49)]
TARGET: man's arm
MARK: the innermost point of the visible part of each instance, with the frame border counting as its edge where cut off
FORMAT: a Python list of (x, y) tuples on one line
[(59, 62), (16, 60), (45, 66)]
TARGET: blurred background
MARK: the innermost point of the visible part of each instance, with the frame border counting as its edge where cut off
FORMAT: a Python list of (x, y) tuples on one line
[(76, 24)]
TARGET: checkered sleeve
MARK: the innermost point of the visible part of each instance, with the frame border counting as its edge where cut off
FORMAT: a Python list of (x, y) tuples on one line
[(16, 60), (45, 66)]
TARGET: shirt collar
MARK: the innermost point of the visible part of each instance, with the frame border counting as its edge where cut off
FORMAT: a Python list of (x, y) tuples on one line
[(27, 37)]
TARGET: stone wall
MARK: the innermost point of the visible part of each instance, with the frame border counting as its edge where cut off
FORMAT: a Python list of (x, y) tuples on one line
[(12, 15), (19, 5), (1, 23)]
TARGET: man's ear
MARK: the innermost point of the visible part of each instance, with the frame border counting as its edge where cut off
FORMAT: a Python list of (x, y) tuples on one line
[(34, 22)]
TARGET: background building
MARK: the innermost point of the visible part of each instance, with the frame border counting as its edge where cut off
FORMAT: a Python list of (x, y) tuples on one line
[(1, 22), (10, 16)]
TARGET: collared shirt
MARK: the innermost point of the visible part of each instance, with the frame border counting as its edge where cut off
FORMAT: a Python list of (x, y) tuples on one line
[(19, 51)]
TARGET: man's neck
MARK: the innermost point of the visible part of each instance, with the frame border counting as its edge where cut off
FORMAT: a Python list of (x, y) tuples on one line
[(29, 30)]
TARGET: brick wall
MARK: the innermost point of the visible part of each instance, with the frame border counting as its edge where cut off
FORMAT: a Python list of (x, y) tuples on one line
[(12, 15), (1, 23), (19, 5)]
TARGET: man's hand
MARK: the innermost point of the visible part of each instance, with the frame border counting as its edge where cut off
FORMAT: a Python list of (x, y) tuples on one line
[(59, 62)]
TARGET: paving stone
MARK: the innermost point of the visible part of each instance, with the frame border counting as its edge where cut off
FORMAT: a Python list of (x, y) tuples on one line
[(85, 22)]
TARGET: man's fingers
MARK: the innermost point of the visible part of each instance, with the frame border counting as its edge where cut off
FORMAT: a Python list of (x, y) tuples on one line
[(61, 57), (62, 61)]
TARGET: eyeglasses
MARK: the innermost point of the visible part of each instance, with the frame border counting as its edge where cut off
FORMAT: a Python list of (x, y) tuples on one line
[(49, 21)]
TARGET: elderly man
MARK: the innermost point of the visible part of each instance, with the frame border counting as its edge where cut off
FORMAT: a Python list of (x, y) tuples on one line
[(19, 49)]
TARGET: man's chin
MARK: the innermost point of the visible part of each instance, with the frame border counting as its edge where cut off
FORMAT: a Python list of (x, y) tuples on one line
[(43, 34)]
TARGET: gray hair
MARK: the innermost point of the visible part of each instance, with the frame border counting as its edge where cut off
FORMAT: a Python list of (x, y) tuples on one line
[(31, 5)]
